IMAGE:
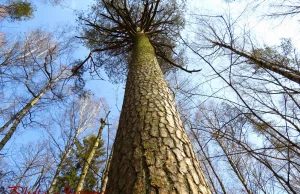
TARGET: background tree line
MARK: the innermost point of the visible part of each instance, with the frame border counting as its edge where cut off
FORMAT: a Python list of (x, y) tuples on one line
[(246, 128), (42, 101), (241, 111)]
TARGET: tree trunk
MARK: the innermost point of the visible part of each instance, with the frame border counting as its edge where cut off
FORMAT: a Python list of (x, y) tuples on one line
[(104, 177), (209, 162), (285, 71), (235, 169), (89, 159), (152, 152), (19, 116), (40, 178), (62, 160)]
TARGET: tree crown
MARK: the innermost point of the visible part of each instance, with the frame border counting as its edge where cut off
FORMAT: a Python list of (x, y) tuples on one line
[(110, 27), (20, 10)]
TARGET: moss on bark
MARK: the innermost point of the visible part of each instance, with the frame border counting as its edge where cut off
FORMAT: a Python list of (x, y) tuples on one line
[(152, 153)]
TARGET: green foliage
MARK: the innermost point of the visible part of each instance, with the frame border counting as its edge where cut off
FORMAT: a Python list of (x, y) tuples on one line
[(277, 55), (78, 74), (259, 126), (111, 26), (20, 10), (72, 168)]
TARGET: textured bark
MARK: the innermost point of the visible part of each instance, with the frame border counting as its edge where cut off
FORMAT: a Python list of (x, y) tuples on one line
[(152, 152), (89, 159)]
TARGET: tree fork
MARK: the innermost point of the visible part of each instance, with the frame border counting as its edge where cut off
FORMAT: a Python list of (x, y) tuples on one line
[(152, 152)]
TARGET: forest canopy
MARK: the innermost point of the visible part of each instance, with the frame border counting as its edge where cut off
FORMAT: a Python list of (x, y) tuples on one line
[(240, 112)]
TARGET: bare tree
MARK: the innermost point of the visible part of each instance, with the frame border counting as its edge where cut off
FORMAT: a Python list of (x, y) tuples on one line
[(33, 66), (152, 152), (260, 125), (79, 117), (29, 162)]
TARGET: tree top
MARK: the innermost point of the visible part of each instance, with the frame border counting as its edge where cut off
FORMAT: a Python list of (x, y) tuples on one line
[(111, 25)]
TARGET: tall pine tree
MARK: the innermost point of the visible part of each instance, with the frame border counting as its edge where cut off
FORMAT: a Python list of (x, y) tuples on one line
[(152, 152)]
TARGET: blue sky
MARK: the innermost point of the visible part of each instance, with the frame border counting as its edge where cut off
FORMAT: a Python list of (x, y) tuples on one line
[(48, 18)]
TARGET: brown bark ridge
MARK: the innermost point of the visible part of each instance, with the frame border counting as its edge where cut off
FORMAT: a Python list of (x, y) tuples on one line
[(152, 152)]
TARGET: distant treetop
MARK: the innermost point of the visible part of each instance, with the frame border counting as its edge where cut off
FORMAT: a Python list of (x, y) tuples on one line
[(17, 10)]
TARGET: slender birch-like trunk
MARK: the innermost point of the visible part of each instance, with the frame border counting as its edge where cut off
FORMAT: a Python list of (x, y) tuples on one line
[(235, 168), (104, 177), (60, 165), (39, 179), (19, 116), (209, 162), (89, 159), (152, 152)]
